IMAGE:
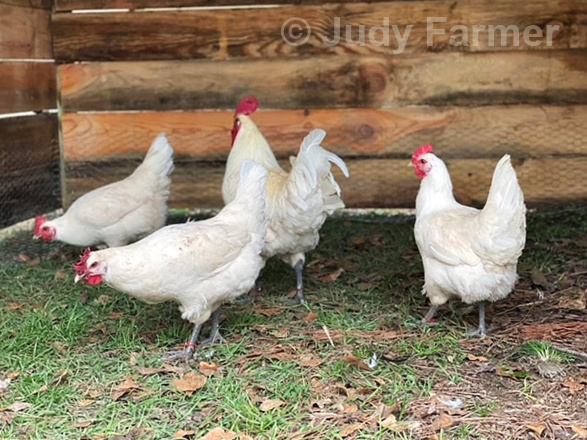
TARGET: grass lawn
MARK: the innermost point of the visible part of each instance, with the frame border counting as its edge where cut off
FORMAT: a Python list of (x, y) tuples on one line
[(78, 362)]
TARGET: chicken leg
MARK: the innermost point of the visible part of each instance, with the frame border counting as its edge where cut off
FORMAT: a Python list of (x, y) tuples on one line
[(482, 329), (429, 318), (188, 352), (215, 335), (299, 268)]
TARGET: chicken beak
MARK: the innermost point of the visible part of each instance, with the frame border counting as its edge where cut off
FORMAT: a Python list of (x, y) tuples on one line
[(78, 277), (410, 164)]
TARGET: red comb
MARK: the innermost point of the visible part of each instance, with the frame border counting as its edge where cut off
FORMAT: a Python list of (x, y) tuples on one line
[(424, 149), (80, 266), (39, 223), (248, 105)]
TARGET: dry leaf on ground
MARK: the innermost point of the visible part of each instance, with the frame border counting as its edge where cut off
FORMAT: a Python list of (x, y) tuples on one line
[(270, 404), (124, 388), (219, 434), (581, 432), (16, 407), (538, 428), (190, 382), (351, 429)]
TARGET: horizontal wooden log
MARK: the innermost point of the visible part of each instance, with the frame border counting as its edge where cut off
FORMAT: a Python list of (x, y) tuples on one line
[(27, 87), (25, 33), (68, 5), (28, 142), (233, 33), (386, 183), (457, 132), (330, 82), (28, 192), (38, 4)]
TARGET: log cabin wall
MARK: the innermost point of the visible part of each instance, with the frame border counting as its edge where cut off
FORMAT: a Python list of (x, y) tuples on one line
[(133, 68), (29, 147)]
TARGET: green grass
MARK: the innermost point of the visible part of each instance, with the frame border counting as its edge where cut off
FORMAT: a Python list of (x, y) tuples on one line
[(67, 346)]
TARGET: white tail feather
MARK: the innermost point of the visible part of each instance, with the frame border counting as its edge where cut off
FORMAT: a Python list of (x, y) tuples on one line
[(159, 160)]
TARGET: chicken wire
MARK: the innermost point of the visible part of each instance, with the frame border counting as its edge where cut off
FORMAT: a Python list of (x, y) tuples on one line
[(27, 189), (384, 180)]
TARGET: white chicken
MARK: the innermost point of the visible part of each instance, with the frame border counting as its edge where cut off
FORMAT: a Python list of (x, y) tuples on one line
[(298, 202), (200, 265), (467, 253), (121, 212)]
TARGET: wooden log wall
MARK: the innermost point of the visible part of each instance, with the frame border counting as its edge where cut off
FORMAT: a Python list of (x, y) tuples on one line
[(29, 145), (127, 75)]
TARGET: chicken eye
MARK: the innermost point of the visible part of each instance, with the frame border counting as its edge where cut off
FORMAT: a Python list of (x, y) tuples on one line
[(422, 160), (44, 228), (94, 264)]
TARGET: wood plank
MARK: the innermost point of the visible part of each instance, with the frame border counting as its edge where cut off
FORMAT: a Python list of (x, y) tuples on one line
[(386, 183), (27, 87), (38, 4), (25, 33), (257, 33), (29, 192), (330, 82), (68, 5), (456, 131), (28, 142)]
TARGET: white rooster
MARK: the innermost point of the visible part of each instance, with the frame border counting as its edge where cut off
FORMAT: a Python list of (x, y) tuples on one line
[(121, 212), (468, 253), (200, 265), (298, 202)]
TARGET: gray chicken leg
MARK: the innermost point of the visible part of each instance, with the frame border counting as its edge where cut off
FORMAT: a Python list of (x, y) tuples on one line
[(482, 329), (215, 335), (188, 352)]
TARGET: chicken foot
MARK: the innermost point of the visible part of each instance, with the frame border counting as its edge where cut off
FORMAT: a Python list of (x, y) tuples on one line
[(482, 329), (215, 335), (299, 268), (188, 352), (429, 318)]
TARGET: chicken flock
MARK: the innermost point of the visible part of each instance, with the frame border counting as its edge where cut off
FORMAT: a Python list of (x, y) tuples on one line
[(467, 253)]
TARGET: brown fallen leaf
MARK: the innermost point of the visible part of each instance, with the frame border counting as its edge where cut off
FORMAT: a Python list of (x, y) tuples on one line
[(13, 306), (332, 277), (310, 317), (81, 424), (538, 428), (23, 258), (350, 408), (351, 429), (124, 388), (144, 371), (356, 362), (219, 434), (208, 368), (184, 434), (472, 357), (573, 385), (190, 383), (309, 361), (269, 404), (17, 406), (443, 421), (581, 432)]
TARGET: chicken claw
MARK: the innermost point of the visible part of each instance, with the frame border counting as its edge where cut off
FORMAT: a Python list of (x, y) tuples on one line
[(189, 350)]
